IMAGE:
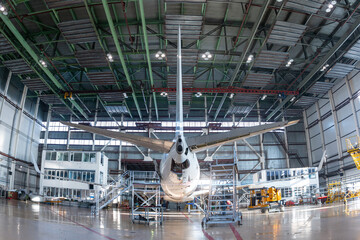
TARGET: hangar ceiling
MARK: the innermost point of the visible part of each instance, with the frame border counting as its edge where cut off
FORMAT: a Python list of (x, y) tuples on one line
[(116, 57)]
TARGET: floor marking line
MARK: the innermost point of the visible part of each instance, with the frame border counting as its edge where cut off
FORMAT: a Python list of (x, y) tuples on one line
[(207, 235), (236, 233), (81, 225), (186, 217)]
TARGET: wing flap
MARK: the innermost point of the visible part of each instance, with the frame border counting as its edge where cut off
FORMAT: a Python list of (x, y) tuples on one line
[(200, 143), (158, 145)]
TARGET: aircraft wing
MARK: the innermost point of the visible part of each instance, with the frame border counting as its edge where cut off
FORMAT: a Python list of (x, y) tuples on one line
[(158, 145), (200, 143)]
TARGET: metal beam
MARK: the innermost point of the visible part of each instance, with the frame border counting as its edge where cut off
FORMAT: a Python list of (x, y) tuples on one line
[(36, 58), (119, 51), (143, 23), (243, 55), (318, 66)]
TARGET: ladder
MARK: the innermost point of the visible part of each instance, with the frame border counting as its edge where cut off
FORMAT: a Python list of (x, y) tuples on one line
[(222, 204), (111, 191)]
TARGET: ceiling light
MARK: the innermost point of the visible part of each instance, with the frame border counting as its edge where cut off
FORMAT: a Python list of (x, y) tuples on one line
[(2, 8), (279, 0), (231, 95), (125, 95), (163, 94), (263, 97), (328, 10), (160, 55), (250, 58), (206, 56), (110, 57), (333, 2), (198, 94), (43, 63), (289, 62), (292, 99), (324, 67), (330, 6)]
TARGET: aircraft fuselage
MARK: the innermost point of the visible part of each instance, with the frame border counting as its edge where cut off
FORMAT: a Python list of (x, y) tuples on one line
[(180, 172)]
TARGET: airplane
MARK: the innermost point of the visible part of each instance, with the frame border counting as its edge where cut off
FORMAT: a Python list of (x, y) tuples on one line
[(179, 168)]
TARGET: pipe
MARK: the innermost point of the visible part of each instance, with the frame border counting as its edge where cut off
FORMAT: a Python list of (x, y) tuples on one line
[(119, 51)]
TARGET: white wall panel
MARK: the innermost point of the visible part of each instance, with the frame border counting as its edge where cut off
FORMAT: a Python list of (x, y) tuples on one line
[(315, 142), (313, 117), (313, 131), (328, 122), (325, 108), (340, 95), (310, 110), (344, 112), (316, 155), (330, 135), (331, 149), (346, 126), (7, 114)]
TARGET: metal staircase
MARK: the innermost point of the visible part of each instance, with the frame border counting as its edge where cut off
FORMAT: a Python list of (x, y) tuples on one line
[(223, 202), (112, 191)]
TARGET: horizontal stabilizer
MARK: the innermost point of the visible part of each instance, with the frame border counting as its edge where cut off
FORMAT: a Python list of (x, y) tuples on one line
[(158, 145), (200, 143)]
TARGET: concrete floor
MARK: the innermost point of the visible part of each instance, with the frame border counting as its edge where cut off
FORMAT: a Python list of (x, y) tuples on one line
[(20, 220)]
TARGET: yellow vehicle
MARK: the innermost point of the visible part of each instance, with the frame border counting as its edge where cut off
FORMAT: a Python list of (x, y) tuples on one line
[(353, 148), (266, 199)]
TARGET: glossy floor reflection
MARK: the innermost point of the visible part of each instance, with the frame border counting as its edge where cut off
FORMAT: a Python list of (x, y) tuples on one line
[(20, 220)]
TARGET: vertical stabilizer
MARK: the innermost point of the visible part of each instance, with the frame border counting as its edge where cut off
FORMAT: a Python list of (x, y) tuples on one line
[(179, 91)]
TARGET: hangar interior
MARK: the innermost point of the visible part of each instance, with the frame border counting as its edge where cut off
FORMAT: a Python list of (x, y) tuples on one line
[(245, 63)]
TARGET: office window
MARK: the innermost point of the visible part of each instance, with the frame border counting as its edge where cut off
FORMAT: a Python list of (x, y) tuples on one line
[(86, 157), (267, 176), (101, 177), (50, 156), (93, 157), (77, 157)]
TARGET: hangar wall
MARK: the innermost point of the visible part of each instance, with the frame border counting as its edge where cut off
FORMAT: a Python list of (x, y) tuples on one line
[(330, 121), (19, 134)]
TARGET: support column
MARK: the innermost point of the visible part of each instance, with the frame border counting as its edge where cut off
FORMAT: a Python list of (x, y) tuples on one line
[(261, 139), (47, 127), (286, 146), (17, 130), (321, 126), (68, 135), (95, 122), (120, 145), (337, 130), (307, 137), (352, 104), (28, 179)]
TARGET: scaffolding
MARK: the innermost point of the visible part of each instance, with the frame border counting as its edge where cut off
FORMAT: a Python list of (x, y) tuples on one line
[(335, 192), (353, 148), (145, 200), (222, 204)]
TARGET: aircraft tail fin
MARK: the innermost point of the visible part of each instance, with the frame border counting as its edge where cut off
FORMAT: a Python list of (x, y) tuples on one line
[(179, 91)]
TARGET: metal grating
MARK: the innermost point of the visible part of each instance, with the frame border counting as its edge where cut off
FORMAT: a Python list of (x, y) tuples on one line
[(116, 109), (246, 98), (258, 80), (320, 87), (18, 66), (63, 3), (243, 110), (285, 33), (5, 46), (190, 26), (61, 110), (35, 84), (101, 78), (91, 58), (50, 99), (309, 6), (271, 59), (78, 31), (112, 96), (339, 70), (354, 51), (188, 80), (305, 101), (188, 57)]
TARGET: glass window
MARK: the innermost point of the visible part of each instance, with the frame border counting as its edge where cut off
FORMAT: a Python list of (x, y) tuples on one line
[(92, 177), (53, 156), (272, 175), (102, 160), (61, 173), (77, 157), (267, 175), (277, 175), (48, 156), (101, 177), (65, 174), (83, 176), (86, 157), (93, 157)]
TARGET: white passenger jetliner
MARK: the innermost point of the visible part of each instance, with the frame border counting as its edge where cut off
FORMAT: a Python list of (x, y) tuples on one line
[(179, 170)]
